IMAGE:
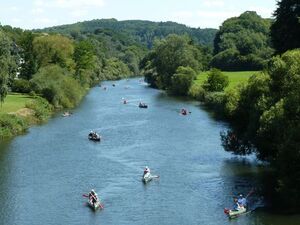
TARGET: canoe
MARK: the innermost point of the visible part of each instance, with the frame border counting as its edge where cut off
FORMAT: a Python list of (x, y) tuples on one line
[(147, 178), (235, 213), (143, 106), (95, 206), (94, 138)]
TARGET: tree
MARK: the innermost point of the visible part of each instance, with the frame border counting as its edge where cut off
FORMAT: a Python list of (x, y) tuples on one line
[(242, 43), (8, 65), (285, 31), (167, 56), (54, 49), (182, 80), (29, 67), (216, 81)]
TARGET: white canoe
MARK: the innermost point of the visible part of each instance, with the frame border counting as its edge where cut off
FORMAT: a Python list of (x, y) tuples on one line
[(147, 177), (235, 213)]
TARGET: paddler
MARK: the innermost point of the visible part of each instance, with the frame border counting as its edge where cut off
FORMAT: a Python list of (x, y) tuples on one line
[(242, 201), (146, 170)]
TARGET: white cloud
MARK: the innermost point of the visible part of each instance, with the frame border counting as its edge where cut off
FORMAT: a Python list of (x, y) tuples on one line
[(213, 3), (264, 12), (16, 20), (37, 11), (45, 21), (183, 14), (78, 3), (79, 13)]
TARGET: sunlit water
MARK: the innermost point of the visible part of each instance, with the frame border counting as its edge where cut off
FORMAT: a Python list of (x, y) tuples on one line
[(45, 172)]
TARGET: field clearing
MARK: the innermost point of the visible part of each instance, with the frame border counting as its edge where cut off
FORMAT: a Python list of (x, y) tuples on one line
[(235, 78), (14, 102)]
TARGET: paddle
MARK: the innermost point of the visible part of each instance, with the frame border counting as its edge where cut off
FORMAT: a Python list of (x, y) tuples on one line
[(252, 190)]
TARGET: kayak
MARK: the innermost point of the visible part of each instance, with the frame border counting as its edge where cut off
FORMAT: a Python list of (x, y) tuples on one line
[(235, 213)]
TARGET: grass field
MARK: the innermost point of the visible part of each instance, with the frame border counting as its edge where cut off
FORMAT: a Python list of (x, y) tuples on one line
[(13, 102), (234, 77)]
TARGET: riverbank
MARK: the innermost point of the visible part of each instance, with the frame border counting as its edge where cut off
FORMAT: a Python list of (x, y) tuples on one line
[(222, 103), (20, 111)]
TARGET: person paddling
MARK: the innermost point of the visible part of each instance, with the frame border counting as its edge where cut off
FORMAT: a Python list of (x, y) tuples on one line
[(242, 201), (146, 170)]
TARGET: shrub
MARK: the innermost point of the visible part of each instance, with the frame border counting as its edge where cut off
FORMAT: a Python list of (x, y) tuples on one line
[(216, 81), (11, 125), (21, 86)]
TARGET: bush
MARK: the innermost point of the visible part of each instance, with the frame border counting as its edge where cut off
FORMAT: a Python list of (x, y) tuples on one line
[(21, 86), (11, 125), (216, 81), (182, 80), (58, 86), (42, 109)]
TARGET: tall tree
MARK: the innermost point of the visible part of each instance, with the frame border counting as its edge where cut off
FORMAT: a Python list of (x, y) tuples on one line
[(29, 67), (7, 64), (54, 49), (285, 31), (168, 55), (242, 43)]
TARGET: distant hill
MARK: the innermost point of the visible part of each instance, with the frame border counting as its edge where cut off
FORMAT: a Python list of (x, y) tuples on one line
[(139, 31)]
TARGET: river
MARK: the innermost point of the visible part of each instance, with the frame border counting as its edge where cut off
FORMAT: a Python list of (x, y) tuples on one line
[(45, 172)]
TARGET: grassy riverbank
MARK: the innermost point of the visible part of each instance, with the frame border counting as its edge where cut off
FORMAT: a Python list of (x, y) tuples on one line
[(235, 78), (19, 111), (222, 103), (14, 102)]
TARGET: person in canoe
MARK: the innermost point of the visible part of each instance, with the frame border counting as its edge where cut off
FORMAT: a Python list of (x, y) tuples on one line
[(93, 197), (184, 112), (146, 170), (242, 201), (143, 105)]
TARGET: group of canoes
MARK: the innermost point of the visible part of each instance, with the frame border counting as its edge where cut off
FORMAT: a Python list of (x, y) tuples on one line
[(94, 200)]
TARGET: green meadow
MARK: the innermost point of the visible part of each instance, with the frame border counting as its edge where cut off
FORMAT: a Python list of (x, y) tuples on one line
[(235, 78), (13, 102)]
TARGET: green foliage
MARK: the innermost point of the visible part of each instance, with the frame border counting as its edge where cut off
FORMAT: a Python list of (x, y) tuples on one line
[(21, 86), (54, 49), (161, 64), (182, 80), (266, 114), (115, 69), (42, 109), (130, 31), (58, 86), (29, 66), (242, 43), (11, 125), (216, 81), (8, 64), (285, 31)]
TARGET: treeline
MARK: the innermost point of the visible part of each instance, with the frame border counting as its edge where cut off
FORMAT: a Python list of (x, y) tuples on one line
[(264, 112), (59, 69), (143, 32)]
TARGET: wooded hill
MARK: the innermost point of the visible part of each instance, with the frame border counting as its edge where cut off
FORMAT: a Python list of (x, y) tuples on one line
[(140, 31)]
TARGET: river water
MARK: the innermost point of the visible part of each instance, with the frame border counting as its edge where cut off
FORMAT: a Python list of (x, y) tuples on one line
[(45, 172)]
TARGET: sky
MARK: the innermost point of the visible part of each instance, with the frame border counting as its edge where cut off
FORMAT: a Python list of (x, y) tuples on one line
[(29, 14)]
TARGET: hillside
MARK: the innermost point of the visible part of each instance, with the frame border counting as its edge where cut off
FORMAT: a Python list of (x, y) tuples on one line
[(140, 31)]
